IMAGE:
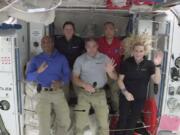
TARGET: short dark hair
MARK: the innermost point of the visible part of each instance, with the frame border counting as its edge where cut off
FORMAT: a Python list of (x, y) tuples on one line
[(50, 38), (109, 23), (90, 39), (69, 23)]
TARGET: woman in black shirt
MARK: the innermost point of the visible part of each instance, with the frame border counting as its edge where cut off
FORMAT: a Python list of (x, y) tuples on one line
[(135, 73)]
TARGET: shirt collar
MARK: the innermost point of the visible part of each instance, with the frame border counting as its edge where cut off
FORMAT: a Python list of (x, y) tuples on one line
[(97, 56), (107, 41), (133, 60), (52, 55), (70, 39)]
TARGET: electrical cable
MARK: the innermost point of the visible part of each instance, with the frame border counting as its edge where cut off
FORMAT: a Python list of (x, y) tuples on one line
[(8, 4), (37, 10)]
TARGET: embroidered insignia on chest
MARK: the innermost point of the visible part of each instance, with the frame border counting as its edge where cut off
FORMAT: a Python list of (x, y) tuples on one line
[(143, 69), (116, 50), (99, 63), (74, 47)]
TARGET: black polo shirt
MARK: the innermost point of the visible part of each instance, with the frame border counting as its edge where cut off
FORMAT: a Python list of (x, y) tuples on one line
[(137, 76), (71, 49)]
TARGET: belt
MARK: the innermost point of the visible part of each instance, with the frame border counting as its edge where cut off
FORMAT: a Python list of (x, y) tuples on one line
[(105, 87), (40, 88), (97, 90), (46, 89)]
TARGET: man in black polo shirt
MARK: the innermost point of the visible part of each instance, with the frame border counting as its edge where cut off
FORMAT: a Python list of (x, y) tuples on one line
[(135, 73), (71, 46)]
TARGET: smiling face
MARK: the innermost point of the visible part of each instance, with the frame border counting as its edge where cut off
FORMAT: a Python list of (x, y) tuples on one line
[(138, 52), (91, 48), (109, 30), (68, 31), (47, 44)]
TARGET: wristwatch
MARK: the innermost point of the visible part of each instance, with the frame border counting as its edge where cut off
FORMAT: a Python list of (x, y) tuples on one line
[(158, 65)]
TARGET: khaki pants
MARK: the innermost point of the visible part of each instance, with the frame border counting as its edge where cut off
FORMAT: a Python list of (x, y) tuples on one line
[(55, 101), (70, 92), (99, 103), (113, 94)]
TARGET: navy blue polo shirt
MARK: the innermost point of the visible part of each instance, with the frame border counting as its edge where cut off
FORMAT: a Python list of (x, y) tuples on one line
[(70, 49), (137, 76)]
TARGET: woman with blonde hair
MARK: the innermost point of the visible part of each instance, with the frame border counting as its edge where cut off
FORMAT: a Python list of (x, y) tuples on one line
[(135, 73)]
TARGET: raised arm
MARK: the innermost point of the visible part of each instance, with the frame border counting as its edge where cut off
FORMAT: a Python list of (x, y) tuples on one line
[(110, 69), (156, 77), (33, 70)]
